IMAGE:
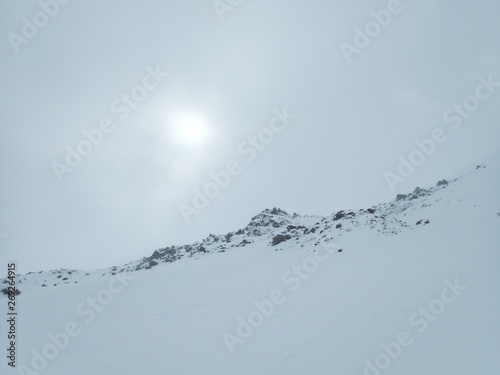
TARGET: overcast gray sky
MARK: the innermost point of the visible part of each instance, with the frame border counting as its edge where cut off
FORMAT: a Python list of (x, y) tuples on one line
[(227, 72)]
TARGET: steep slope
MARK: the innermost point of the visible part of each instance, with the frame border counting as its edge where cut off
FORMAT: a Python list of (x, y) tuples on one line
[(414, 290)]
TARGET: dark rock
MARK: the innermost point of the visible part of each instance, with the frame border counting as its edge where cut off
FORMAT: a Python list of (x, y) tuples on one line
[(277, 211), (338, 226), (8, 291), (339, 215), (156, 255), (401, 197), (371, 210), (278, 239)]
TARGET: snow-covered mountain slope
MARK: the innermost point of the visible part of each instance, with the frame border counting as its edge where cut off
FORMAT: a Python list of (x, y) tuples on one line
[(405, 287)]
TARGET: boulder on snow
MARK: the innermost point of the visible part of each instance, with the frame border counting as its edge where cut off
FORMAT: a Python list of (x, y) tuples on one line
[(422, 221), (339, 215), (8, 291), (278, 239)]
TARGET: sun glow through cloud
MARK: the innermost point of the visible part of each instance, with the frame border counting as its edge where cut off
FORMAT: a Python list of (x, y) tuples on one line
[(190, 130)]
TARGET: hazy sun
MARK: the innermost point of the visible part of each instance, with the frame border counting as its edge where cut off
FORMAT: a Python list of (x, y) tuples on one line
[(190, 129)]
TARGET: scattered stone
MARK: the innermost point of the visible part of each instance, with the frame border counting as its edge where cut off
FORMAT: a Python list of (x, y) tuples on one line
[(244, 242)]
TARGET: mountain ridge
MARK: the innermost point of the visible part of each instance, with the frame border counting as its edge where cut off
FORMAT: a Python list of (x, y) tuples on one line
[(275, 227)]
